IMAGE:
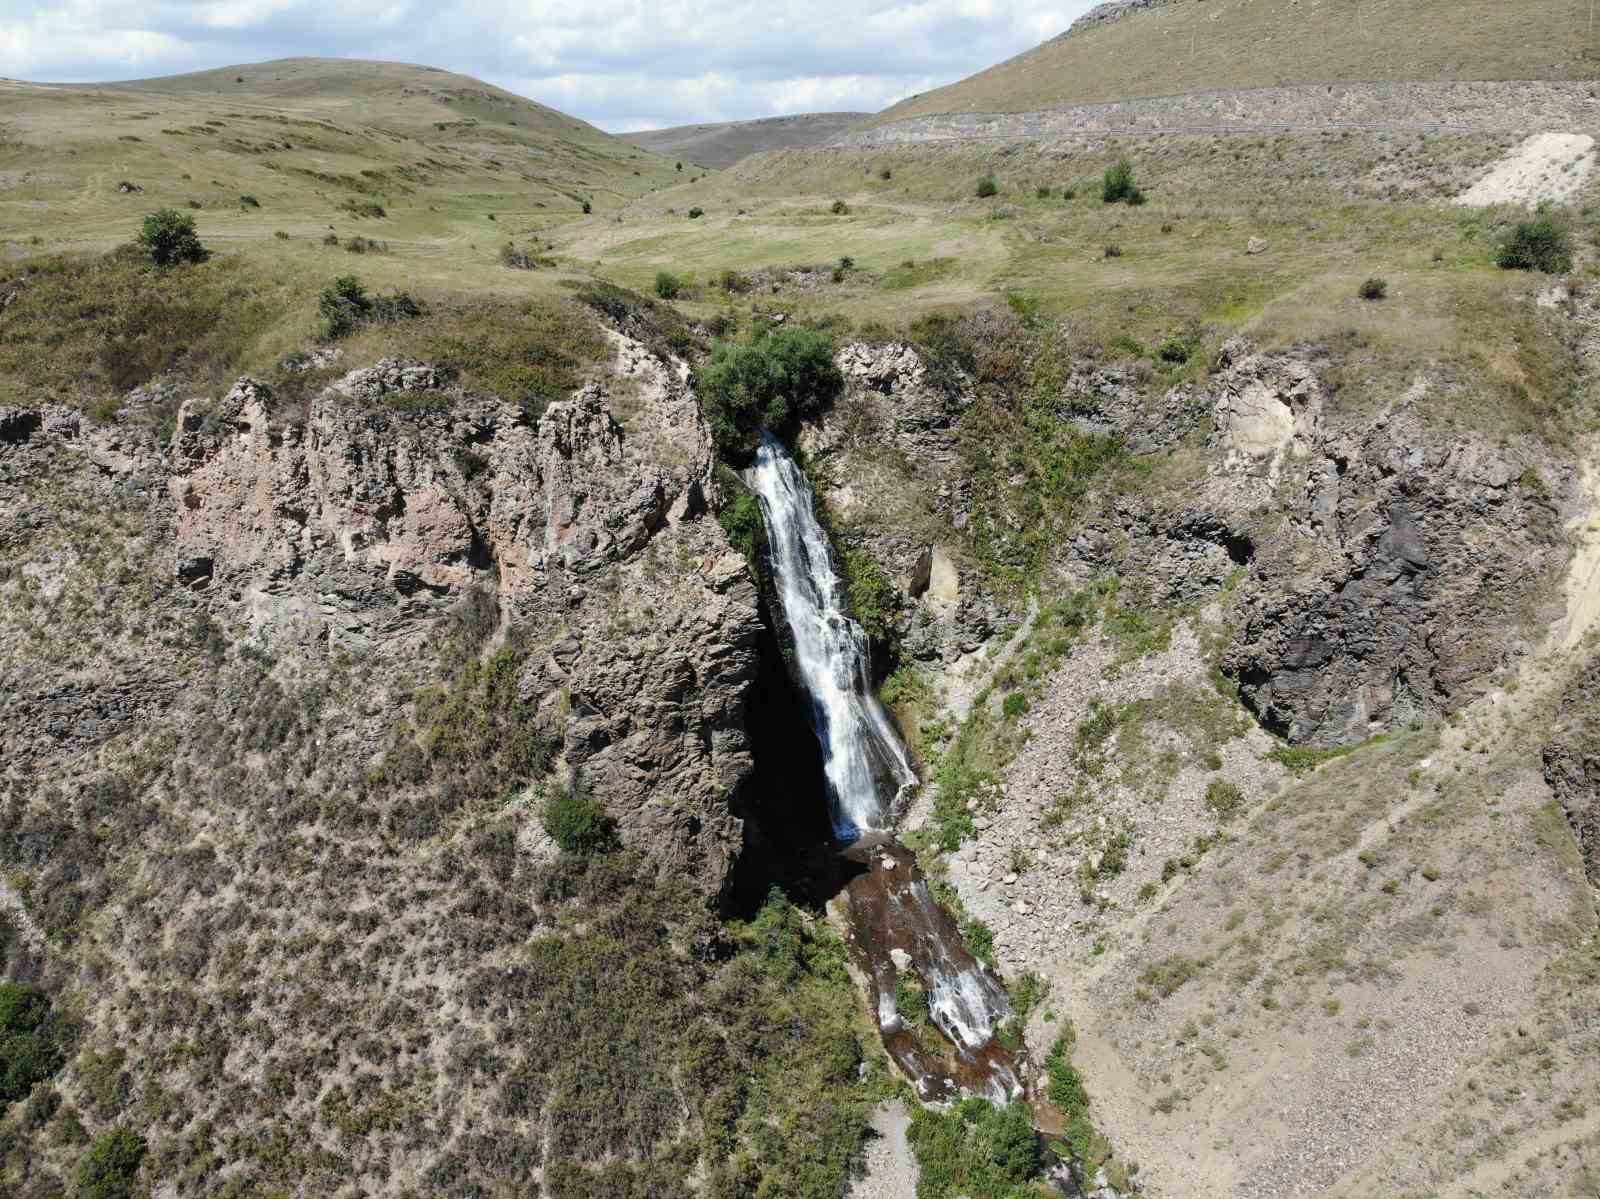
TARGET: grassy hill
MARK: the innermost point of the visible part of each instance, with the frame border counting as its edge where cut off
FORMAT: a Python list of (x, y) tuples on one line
[(295, 172), (722, 145), (1192, 46), (321, 145)]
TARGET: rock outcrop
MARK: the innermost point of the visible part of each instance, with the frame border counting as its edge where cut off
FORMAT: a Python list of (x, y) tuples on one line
[(1387, 584), (1385, 560), (347, 528), (1572, 762)]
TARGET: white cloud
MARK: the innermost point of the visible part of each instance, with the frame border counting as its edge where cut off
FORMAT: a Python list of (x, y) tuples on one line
[(623, 64)]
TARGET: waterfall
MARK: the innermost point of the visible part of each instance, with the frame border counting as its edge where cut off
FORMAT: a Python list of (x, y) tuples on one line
[(896, 923), (864, 762)]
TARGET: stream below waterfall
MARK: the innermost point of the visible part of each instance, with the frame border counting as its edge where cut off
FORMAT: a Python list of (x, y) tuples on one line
[(903, 941)]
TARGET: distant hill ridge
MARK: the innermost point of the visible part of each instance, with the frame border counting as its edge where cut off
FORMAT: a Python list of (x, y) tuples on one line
[(721, 144), (1136, 49)]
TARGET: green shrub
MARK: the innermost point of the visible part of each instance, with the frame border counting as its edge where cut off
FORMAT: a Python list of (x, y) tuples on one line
[(364, 208), (576, 822), (732, 282), (911, 1001), (1118, 187), (1044, 191), (696, 213), (111, 1165), (1014, 706), (668, 285), (248, 201), (1069, 193), (1224, 798), (975, 1149), (345, 305), (1113, 251), (169, 238), (1175, 350), (987, 187), (873, 598), (1168, 974), (839, 208), (30, 1048), (587, 208), (1374, 289), (1064, 1085), (1541, 244), (740, 516), (886, 174), (776, 377)]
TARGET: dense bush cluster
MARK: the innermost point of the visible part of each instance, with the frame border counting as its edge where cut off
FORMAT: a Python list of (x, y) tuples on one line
[(30, 1040), (976, 1148), (345, 306), (776, 377), (110, 1168)]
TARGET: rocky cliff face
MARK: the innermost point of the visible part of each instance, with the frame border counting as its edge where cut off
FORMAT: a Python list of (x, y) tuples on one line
[(1572, 762), (281, 699), (1401, 560), (1385, 562), (349, 531)]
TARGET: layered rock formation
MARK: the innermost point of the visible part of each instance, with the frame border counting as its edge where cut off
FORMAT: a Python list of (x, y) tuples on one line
[(350, 529)]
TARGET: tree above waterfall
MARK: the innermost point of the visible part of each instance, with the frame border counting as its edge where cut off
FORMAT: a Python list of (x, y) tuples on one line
[(778, 376)]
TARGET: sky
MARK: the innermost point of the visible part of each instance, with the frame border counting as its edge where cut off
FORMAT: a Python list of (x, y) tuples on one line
[(622, 64)]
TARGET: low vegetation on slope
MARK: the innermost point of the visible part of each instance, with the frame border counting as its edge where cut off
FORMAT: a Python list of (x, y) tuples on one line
[(1182, 46), (719, 146)]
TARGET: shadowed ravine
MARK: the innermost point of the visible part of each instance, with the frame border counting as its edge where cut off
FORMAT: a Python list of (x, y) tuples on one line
[(896, 927)]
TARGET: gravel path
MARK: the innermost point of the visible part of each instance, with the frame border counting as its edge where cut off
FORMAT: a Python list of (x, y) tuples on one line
[(891, 1170)]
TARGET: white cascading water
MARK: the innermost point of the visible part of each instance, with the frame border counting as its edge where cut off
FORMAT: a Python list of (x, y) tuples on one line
[(867, 771), (865, 763)]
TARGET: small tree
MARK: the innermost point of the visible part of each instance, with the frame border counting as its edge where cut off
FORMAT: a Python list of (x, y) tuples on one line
[(1118, 187), (1541, 244), (763, 384), (169, 237), (668, 285), (987, 187)]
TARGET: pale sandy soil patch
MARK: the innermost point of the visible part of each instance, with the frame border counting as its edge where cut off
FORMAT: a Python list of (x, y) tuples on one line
[(1548, 166)]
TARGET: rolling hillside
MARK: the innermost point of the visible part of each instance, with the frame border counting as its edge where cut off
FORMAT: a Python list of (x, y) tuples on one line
[(393, 152), (1193, 46), (722, 145)]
